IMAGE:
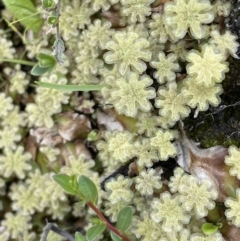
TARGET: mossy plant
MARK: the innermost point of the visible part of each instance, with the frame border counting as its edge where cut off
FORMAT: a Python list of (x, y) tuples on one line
[(101, 104)]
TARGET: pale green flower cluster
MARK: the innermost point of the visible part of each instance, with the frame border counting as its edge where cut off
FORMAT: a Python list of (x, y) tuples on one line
[(18, 79), (171, 216), (78, 166), (145, 153), (15, 162), (136, 10), (15, 225), (50, 152), (6, 49), (124, 97), (47, 102), (117, 148), (232, 160), (147, 181), (233, 211), (118, 195), (162, 143), (74, 15), (145, 228), (6, 104), (181, 15), (167, 210), (127, 50)]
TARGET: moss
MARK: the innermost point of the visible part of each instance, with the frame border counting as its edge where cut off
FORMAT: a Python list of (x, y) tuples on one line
[(221, 128)]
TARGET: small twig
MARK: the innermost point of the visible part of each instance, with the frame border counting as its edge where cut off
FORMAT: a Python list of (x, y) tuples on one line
[(223, 107), (58, 47), (104, 220), (52, 227), (58, 8)]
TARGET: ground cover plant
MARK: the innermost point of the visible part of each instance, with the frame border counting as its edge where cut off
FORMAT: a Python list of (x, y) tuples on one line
[(119, 120)]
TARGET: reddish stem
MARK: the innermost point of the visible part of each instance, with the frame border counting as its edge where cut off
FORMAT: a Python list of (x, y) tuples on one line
[(104, 220)]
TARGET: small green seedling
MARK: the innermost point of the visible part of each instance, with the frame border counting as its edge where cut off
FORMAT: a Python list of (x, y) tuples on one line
[(210, 228), (86, 190), (46, 63)]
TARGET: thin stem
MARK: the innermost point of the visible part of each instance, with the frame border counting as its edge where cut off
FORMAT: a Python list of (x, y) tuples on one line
[(19, 20), (58, 47), (58, 16), (14, 29), (19, 61), (104, 220)]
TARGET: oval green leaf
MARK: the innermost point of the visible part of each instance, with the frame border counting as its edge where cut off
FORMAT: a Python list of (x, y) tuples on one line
[(66, 183), (95, 221), (209, 228), (26, 13), (88, 189), (70, 87), (124, 219), (46, 60), (79, 237), (95, 231), (37, 70), (115, 237), (48, 3), (52, 20)]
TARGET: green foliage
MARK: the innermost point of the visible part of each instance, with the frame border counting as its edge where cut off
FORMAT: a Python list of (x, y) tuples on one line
[(52, 20), (79, 237), (209, 228), (70, 87), (67, 183), (124, 219), (115, 237), (85, 188), (92, 136), (48, 4), (46, 63), (46, 60), (88, 189), (26, 13), (95, 231)]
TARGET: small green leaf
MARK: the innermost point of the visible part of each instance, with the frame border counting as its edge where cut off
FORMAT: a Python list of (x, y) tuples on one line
[(81, 203), (46, 60), (70, 87), (48, 4), (52, 20), (92, 136), (115, 237), (66, 183), (46, 63), (95, 231), (124, 219), (220, 225), (96, 221), (37, 70), (26, 13), (88, 189), (209, 228), (79, 237)]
